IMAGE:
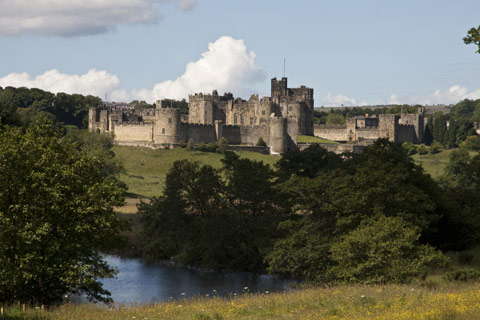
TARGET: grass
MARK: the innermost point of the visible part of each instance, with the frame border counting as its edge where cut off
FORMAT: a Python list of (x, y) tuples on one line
[(433, 164), (146, 169), (311, 139), (422, 301)]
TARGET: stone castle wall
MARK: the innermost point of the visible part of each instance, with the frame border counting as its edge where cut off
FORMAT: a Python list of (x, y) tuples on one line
[(134, 132), (404, 128), (277, 119), (331, 132)]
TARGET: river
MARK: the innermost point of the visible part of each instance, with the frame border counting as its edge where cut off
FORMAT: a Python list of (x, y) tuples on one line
[(142, 281)]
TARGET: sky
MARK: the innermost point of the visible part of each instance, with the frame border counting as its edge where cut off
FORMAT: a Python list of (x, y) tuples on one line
[(351, 52)]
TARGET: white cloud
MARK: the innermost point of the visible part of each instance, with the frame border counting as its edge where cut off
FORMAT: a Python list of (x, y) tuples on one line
[(187, 4), (226, 66), (78, 17), (331, 100), (93, 82)]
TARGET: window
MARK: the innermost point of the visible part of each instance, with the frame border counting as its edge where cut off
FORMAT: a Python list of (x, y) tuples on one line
[(263, 112), (169, 120), (241, 119), (289, 108), (163, 130), (251, 121), (235, 119)]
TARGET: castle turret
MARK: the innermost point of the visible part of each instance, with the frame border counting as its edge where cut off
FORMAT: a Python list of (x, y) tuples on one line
[(167, 126), (279, 87), (278, 134)]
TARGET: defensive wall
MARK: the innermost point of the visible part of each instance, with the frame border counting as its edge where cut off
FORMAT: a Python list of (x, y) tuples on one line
[(403, 128), (277, 120)]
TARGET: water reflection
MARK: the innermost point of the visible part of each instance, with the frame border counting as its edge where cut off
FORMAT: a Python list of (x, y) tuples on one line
[(142, 281)]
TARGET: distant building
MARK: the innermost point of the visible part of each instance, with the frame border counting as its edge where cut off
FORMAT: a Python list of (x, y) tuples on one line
[(365, 129), (277, 119)]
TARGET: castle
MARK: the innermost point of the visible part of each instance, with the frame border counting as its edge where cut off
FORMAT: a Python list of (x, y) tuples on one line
[(277, 120), (365, 129)]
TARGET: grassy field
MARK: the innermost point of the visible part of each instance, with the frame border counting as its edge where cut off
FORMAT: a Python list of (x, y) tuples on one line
[(427, 300), (146, 168), (310, 139), (434, 164)]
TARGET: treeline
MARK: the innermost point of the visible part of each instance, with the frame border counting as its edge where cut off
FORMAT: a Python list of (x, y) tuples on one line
[(339, 115), (460, 129), (21, 106), (373, 217)]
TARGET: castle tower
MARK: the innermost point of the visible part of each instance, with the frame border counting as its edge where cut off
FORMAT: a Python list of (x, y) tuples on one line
[(278, 134), (279, 88), (387, 125), (167, 127)]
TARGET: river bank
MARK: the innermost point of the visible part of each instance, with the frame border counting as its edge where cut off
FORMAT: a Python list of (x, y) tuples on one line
[(430, 299)]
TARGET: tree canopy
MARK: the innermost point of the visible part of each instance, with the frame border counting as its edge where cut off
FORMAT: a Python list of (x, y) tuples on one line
[(56, 212), (473, 36)]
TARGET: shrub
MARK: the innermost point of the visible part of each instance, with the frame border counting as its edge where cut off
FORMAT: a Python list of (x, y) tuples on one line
[(182, 144), (462, 274), (410, 148), (384, 250), (222, 145), (422, 149), (435, 147)]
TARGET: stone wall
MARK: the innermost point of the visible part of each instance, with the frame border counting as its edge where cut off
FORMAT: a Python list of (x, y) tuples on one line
[(245, 134), (330, 132), (199, 132), (406, 133), (134, 132), (336, 148)]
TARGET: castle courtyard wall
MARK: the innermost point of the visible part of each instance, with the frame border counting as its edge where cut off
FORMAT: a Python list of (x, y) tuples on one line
[(248, 135), (199, 132), (330, 132), (133, 132), (406, 133)]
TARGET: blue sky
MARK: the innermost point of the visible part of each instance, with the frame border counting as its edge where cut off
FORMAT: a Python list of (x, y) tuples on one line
[(350, 52)]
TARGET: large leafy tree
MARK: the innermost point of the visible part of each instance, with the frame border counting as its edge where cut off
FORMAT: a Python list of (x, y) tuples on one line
[(56, 211), (220, 219)]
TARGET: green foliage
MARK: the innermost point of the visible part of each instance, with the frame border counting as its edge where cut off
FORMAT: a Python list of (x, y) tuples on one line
[(66, 108), (435, 147), (462, 274), (410, 148), (383, 250), (205, 220), (182, 105), (56, 211), (473, 36), (335, 118), (471, 143), (439, 127), (428, 134)]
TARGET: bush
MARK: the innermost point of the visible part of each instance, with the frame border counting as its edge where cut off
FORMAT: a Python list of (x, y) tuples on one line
[(435, 147), (384, 250), (222, 145), (422, 149), (182, 144), (471, 143), (410, 148), (462, 274)]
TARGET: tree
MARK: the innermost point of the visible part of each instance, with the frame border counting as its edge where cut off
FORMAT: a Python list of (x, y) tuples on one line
[(473, 36), (56, 212), (383, 250)]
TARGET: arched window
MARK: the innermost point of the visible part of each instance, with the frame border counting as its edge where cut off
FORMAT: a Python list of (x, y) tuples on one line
[(163, 130), (235, 120)]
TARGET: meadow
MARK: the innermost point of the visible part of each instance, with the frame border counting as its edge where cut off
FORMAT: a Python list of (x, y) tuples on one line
[(430, 299)]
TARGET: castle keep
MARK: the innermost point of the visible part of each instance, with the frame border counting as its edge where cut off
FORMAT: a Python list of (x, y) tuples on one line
[(365, 129), (277, 119)]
